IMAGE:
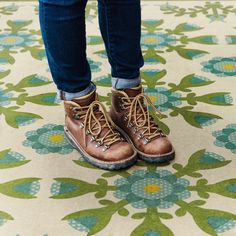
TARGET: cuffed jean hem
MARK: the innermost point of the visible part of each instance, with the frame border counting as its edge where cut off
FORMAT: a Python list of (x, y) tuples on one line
[(62, 95), (120, 83)]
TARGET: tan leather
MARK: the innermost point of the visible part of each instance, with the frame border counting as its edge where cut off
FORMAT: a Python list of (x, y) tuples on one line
[(135, 119), (118, 149)]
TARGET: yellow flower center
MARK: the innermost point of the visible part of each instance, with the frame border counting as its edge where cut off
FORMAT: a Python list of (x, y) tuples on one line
[(152, 188), (56, 138), (153, 98), (151, 40), (229, 66), (10, 40)]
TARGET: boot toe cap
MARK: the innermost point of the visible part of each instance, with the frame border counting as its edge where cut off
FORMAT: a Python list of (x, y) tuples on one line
[(160, 146), (120, 151)]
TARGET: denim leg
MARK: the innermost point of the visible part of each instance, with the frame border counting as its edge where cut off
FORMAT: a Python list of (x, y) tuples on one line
[(120, 25), (64, 35)]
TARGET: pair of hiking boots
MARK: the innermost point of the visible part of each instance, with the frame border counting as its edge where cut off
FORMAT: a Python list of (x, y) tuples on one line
[(116, 140)]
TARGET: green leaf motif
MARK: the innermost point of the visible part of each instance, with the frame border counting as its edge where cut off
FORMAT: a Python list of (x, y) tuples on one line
[(190, 81), (185, 27), (17, 25), (46, 99), (36, 52), (25, 188), (194, 118), (210, 221), (9, 159), (219, 99), (6, 216), (231, 39), (202, 160), (5, 57), (151, 25), (152, 224), (151, 77), (85, 164), (69, 188), (151, 57), (225, 188), (31, 81), (207, 39), (17, 118), (94, 220), (104, 81), (94, 40), (4, 74), (188, 53)]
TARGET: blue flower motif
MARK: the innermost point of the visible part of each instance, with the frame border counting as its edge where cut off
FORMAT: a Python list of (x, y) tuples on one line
[(216, 18), (167, 6), (221, 224), (83, 224), (5, 97), (152, 233), (198, 80), (163, 98), (226, 137), (152, 189), (2, 221), (231, 39), (11, 7), (60, 187), (94, 65), (157, 40), (11, 158), (190, 27), (48, 139), (221, 66), (31, 188), (15, 40)]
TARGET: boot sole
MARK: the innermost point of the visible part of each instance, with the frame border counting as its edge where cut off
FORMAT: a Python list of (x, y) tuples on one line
[(112, 165), (167, 157)]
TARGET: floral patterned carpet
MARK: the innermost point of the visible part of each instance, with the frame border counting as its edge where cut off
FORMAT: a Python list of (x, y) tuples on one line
[(190, 74)]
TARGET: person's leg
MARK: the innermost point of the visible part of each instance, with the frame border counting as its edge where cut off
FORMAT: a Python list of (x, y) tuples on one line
[(63, 30), (87, 125), (120, 25)]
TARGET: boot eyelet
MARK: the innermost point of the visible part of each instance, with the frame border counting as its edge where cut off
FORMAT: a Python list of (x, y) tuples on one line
[(125, 118), (93, 139), (105, 147), (140, 136), (146, 141), (122, 107), (81, 126), (135, 130), (76, 116), (130, 124), (88, 132), (98, 144), (75, 109)]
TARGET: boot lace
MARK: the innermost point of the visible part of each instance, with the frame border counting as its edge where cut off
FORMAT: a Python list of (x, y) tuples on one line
[(95, 119), (139, 115)]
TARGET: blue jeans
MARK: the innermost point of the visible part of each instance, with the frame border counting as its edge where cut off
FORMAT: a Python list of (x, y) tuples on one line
[(63, 30)]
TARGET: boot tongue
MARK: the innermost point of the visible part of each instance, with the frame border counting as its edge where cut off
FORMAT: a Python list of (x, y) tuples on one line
[(86, 100), (133, 92)]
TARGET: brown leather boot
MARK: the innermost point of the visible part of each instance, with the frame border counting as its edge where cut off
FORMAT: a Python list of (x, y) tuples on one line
[(130, 113), (91, 131)]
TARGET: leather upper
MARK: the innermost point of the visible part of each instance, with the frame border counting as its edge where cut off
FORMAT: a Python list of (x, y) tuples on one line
[(118, 150), (121, 116)]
